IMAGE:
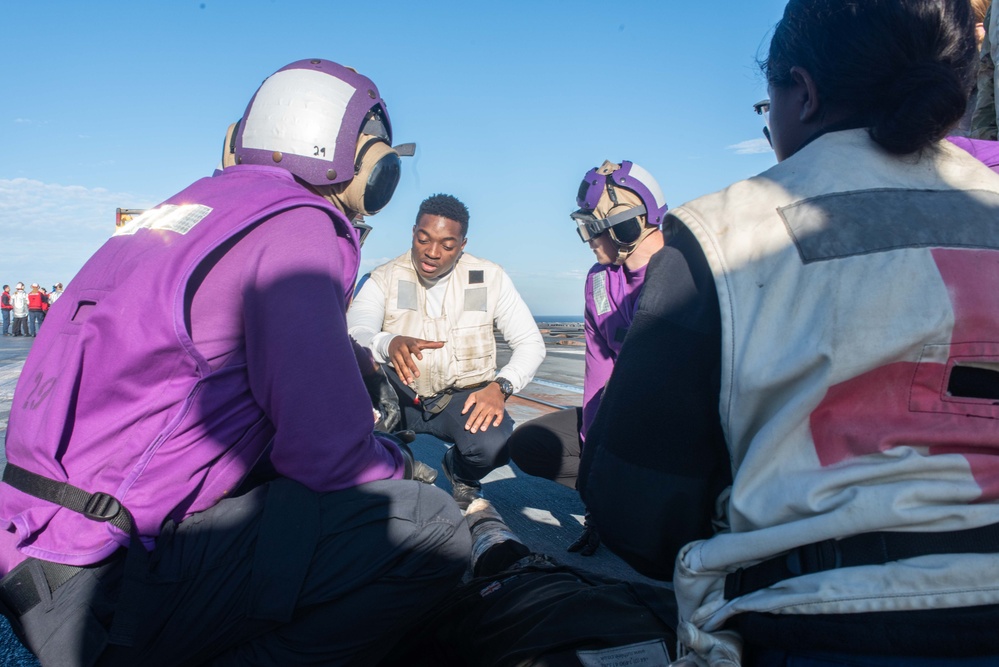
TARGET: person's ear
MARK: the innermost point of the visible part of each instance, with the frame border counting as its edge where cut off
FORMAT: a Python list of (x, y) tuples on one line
[(463, 242), (807, 95)]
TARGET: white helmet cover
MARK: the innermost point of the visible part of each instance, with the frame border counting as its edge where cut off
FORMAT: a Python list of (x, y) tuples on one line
[(307, 117)]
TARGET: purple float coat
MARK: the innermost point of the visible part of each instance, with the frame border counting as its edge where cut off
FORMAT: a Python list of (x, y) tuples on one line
[(115, 397), (611, 301)]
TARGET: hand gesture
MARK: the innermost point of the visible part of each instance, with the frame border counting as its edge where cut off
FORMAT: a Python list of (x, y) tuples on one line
[(402, 350)]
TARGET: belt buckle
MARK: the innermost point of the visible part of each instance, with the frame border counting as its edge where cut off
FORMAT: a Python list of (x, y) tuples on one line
[(436, 403), (101, 507)]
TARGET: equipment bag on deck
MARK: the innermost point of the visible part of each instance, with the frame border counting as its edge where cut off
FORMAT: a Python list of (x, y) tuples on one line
[(543, 613)]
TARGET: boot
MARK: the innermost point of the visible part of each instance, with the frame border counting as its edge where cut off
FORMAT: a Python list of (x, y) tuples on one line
[(463, 491)]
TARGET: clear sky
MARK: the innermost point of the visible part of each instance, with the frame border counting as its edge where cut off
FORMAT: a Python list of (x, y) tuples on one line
[(122, 104)]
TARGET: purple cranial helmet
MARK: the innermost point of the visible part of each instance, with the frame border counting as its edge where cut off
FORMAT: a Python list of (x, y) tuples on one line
[(309, 117), (629, 177)]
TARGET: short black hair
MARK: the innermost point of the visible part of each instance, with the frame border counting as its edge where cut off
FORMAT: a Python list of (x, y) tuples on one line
[(445, 206), (904, 68)]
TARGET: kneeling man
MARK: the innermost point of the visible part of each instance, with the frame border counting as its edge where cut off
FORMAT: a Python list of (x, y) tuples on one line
[(430, 314)]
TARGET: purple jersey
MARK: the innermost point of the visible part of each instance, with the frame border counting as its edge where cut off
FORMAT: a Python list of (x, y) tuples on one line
[(611, 301), (205, 338)]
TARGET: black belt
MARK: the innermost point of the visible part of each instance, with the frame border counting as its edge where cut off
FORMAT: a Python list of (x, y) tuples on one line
[(865, 549), (435, 404), (19, 592)]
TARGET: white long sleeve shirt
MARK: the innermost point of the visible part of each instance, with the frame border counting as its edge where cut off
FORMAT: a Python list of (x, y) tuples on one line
[(513, 319)]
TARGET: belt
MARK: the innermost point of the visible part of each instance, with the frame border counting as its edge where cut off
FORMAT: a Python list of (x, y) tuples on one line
[(866, 549), (18, 590), (454, 389), (435, 404)]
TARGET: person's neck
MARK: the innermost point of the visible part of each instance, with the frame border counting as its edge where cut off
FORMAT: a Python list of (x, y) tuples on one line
[(649, 246)]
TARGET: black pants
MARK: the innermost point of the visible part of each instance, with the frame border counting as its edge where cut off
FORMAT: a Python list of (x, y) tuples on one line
[(477, 453), (549, 446), (279, 576)]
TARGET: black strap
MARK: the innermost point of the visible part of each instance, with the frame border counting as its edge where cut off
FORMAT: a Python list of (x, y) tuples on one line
[(18, 590), (100, 507), (95, 506), (866, 549)]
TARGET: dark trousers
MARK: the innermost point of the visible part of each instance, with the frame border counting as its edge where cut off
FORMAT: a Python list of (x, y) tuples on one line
[(6, 320), (549, 446), (477, 453), (21, 326), (279, 576), (35, 319)]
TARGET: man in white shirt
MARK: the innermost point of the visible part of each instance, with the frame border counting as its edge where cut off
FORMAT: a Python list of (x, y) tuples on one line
[(430, 313), (20, 302)]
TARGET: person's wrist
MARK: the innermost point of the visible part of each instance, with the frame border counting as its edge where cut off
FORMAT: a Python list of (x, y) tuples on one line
[(505, 387)]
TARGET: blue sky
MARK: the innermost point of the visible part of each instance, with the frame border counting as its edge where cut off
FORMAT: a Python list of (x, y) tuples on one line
[(108, 104)]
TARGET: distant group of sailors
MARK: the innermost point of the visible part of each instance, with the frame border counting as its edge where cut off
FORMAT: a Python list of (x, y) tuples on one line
[(23, 312)]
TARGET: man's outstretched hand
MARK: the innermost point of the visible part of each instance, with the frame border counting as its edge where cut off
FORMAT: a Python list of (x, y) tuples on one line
[(404, 349)]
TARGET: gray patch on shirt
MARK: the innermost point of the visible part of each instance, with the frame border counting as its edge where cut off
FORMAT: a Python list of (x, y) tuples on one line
[(476, 299), (868, 221), (407, 295), (600, 299)]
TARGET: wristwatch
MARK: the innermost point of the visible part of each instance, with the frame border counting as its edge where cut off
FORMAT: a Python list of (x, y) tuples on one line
[(505, 386)]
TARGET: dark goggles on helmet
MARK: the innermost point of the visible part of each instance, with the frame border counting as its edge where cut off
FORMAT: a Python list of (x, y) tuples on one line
[(362, 229), (624, 227)]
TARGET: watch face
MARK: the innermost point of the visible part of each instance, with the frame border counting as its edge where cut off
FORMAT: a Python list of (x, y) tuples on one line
[(505, 386)]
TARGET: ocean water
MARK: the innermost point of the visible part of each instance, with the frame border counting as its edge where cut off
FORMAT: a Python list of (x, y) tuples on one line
[(552, 319)]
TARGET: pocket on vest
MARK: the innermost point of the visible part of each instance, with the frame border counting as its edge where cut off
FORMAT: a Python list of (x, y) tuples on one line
[(473, 349)]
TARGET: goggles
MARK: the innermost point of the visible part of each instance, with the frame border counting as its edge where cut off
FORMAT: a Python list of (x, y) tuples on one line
[(361, 228), (762, 108), (624, 227)]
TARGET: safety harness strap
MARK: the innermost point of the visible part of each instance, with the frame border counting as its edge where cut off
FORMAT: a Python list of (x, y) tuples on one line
[(866, 549), (95, 506), (100, 507)]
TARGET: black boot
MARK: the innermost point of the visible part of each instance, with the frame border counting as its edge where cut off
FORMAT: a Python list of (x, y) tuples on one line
[(463, 491), (494, 546), (588, 541)]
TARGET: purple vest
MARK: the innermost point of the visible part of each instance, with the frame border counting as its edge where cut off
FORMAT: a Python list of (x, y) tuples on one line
[(115, 398), (611, 301)]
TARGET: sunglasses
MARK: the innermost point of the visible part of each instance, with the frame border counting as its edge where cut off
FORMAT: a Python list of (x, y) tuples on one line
[(762, 108)]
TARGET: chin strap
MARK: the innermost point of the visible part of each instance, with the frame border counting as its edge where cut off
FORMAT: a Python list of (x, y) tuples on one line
[(624, 250)]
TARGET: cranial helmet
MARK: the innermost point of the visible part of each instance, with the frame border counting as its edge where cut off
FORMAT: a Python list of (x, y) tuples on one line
[(327, 125), (622, 200)]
